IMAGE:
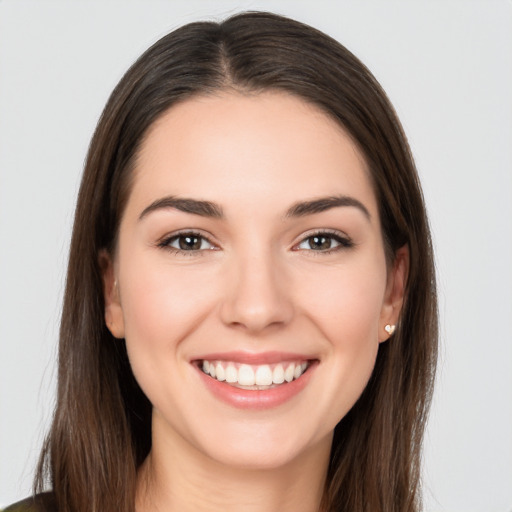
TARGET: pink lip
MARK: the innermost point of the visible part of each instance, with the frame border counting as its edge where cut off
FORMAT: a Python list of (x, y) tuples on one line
[(256, 399), (253, 358)]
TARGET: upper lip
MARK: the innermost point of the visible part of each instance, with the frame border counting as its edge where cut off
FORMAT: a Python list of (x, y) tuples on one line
[(253, 358)]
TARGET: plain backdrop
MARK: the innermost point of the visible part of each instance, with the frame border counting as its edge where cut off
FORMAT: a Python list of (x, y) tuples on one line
[(447, 67)]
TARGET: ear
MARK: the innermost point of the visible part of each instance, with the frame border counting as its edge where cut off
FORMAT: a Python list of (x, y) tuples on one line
[(113, 310), (395, 292)]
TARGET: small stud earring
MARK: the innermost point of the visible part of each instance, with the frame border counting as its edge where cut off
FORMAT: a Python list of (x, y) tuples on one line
[(390, 329)]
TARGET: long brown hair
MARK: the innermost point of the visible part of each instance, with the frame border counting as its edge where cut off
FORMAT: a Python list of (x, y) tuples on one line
[(101, 430)]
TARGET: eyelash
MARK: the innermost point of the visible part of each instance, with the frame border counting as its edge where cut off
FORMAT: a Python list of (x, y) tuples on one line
[(165, 243), (343, 241)]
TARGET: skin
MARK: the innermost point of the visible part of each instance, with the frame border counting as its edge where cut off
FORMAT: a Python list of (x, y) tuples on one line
[(258, 284)]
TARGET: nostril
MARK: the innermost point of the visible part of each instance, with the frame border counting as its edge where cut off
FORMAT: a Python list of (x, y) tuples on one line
[(254, 318)]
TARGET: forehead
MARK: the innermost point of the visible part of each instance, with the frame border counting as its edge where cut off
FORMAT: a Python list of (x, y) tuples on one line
[(253, 147)]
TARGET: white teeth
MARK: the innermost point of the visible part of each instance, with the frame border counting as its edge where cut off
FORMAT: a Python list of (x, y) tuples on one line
[(219, 372), (231, 374), (254, 375), (263, 375), (246, 375), (289, 372), (278, 374)]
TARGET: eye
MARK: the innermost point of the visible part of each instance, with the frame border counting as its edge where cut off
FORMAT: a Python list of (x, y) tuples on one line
[(187, 242), (324, 242)]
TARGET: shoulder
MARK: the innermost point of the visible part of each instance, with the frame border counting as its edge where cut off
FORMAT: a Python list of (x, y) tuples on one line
[(44, 502)]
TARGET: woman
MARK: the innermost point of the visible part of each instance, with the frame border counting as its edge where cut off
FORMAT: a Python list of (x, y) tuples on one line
[(250, 312)]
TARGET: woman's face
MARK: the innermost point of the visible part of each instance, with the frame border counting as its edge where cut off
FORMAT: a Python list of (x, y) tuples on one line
[(250, 248)]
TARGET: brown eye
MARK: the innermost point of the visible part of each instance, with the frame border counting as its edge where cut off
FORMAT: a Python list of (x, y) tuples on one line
[(187, 242), (324, 242), (320, 242)]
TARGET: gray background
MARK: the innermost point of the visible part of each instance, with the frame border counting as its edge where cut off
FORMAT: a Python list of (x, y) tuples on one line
[(447, 67)]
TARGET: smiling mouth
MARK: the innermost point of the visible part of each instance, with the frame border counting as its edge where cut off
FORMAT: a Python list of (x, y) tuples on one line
[(254, 377)]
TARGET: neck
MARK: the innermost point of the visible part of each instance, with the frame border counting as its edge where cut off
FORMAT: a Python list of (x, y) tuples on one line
[(175, 477)]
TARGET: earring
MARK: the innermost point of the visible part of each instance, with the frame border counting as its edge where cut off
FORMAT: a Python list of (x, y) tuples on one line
[(390, 329)]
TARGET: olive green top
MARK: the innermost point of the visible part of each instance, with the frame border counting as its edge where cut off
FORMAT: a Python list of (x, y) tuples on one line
[(44, 502)]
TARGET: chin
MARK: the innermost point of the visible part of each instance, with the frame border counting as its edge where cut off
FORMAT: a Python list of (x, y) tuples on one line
[(261, 447)]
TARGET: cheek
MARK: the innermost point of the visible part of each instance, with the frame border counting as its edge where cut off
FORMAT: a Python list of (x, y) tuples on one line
[(346, 311), (349, 321), (162, 301), (161, 306), (346, 302)]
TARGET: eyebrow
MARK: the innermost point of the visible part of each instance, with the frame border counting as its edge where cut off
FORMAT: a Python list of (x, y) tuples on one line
[(322, 204), (194, 206), (213, 210)]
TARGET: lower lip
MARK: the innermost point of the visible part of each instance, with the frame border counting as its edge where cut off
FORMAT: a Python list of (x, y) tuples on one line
[(257, 399)]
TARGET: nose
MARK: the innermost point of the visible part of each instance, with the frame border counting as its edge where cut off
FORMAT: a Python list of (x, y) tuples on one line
[(258, 296)]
